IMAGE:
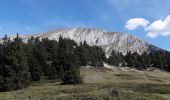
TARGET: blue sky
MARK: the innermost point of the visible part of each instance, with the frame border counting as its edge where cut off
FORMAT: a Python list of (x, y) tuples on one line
[(147, 19)]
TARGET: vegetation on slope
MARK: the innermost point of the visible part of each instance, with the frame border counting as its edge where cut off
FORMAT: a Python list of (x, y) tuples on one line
[(157, 59), (108, 85), (21, 63)]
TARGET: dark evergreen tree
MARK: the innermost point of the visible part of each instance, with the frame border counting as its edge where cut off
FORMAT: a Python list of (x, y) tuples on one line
[(34, 67), (97, 56), (14, 70), (19, 62), (91, 55), (41, 55), (52, 73), (51, 46), (69, 61), (83, 54), (116, 59)]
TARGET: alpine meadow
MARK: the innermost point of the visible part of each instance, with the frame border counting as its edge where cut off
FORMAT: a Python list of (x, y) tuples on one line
[(84, 50)]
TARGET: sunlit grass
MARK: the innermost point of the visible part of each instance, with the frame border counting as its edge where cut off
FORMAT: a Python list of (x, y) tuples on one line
[(107, 85)]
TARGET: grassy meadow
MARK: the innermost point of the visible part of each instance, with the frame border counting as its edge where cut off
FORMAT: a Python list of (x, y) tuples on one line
[(101, 84)]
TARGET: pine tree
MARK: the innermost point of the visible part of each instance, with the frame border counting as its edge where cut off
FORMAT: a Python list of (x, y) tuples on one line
[(52, 73), (15, 70), (40, 54), (34, 67), (51, 47), (69, 61), (72, 71), (83, 54)]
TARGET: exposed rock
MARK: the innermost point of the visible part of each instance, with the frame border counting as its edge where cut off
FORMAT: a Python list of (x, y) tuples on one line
[(108, 41)]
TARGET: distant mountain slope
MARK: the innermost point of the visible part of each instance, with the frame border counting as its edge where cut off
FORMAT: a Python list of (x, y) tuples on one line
[(109, 41)]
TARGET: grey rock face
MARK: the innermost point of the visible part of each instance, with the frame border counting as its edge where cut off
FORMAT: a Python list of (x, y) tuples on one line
[(108, 41)]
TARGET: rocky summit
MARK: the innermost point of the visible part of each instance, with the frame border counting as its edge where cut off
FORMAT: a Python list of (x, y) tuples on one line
[(108, 41)]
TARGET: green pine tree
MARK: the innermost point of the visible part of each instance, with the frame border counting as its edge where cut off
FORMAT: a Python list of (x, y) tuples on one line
[(15, 69)]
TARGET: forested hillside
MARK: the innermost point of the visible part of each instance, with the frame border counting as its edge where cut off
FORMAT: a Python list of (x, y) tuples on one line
[(159, 59), (22, 63)]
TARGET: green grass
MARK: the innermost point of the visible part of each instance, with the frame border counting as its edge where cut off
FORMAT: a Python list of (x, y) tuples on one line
[(99, 85), (128, 77), (121, 91), (153, 88)]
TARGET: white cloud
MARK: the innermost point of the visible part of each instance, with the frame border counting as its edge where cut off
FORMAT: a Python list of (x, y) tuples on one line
[(134, 23), (159, 27)]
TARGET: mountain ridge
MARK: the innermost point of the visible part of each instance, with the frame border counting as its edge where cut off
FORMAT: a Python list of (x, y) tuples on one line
[(108, 41)]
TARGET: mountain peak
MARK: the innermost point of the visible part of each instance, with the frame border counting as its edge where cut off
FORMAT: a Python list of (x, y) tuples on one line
[(108, 41)]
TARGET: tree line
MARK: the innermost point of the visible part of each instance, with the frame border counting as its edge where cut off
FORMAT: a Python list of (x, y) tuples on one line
[(158, 59), (22, 63)]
